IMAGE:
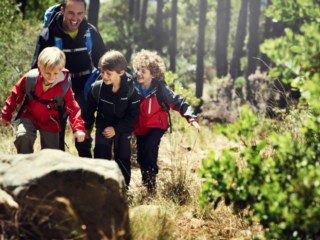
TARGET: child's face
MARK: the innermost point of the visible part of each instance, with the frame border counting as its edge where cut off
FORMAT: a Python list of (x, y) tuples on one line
[(111, 77), (144, 76), (50, 75)]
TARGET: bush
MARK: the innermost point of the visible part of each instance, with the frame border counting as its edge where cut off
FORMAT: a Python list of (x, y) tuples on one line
[(17, 44), (274, 177)]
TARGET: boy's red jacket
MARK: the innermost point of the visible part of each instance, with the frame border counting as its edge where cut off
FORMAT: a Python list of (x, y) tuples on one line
[(44, 116)]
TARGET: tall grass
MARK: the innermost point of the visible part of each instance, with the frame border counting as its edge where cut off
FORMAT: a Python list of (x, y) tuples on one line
[(173, 212)]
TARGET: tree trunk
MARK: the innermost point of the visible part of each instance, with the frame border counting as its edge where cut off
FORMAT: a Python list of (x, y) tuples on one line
[(173, 38), (137, 10), (93, 12), (131, 8), (253, 42), (130, 20), (238, 52), (222, 33), (201, 43), (265, 64), (159, 27), (144, 14)]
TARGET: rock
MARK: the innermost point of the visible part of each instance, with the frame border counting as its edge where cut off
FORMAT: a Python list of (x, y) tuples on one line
[(8, 207), (155, 217), (62, 196)]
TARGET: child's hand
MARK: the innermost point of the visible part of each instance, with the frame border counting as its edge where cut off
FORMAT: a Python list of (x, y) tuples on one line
[(5, 122), (109, 132), (79, 135), (195, 124)]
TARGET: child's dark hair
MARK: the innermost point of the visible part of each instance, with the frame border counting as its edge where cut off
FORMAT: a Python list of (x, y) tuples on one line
[(113, 61)]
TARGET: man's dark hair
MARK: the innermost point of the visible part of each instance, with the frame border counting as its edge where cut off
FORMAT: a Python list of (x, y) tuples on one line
[(64, 2)]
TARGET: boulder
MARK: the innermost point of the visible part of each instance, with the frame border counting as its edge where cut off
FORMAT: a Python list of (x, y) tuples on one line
[(8, 207), (61, 196)]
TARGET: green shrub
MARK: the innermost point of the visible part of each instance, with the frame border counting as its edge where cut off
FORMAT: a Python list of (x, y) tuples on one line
[(274, 172), (277, 182), (17, 44)]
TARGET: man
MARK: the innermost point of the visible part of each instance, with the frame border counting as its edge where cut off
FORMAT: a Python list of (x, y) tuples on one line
[(70, 31)]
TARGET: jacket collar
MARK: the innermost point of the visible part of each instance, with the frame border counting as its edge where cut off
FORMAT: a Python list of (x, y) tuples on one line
[(150, 91)]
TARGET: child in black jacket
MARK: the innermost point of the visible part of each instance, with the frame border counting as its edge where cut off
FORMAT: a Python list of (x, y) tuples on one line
[(116, 104)]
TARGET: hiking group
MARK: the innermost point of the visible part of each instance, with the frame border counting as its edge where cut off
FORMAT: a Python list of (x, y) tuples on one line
[(69, 57)]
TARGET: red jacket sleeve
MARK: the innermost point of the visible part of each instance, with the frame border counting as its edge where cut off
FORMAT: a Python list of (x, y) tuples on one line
[(15, 98), (74, 112)]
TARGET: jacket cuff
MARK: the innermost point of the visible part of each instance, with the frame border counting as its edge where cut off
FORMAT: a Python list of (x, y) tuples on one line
[(190, 120)]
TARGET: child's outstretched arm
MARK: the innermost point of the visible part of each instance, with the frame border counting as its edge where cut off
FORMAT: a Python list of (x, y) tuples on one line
[(15, 98), (195, 124), (177, 103)]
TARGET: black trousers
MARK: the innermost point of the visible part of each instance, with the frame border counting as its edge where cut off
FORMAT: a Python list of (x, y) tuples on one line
[(121, 144), (83, 148), (148, 150)]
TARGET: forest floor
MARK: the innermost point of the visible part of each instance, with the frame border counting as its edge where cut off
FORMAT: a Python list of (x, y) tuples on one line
[(180, 158), (178, 190)]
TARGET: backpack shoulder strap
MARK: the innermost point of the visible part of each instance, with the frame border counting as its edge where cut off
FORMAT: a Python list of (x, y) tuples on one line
[(58, 42), (95, 90), (94, 76), (50, 14), (31, 80), (59, 103), (88, 40), (160, 98), (131, 85), (89, 45), (32, 77)]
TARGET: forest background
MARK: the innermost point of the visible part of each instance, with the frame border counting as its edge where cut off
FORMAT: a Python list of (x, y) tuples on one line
[(252, 65)]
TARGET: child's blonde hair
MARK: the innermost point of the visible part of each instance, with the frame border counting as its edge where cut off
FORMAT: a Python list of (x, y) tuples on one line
[(51, 58), (150, 60), (113, 61)]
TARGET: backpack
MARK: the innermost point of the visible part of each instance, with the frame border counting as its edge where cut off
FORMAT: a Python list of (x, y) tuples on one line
[(92, 78), (32, 77), (50, 14)]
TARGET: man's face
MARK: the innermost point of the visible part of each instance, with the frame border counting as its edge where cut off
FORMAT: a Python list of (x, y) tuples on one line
[(73, 15)]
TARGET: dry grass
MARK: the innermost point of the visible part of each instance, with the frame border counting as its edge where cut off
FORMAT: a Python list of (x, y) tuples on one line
[(174, 211)]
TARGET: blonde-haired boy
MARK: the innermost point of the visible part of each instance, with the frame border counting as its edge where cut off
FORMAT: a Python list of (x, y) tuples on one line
[(40, 111)]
